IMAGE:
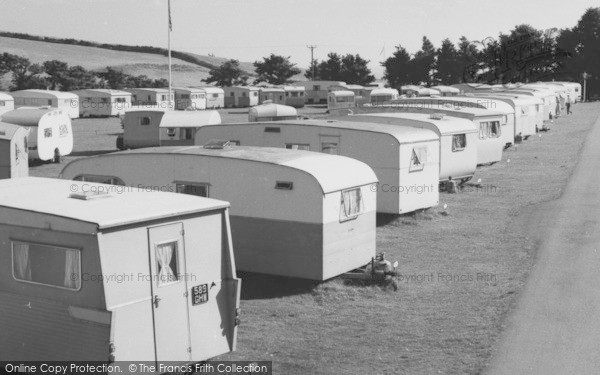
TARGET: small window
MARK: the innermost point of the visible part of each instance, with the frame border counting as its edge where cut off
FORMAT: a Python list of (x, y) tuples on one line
[(49, 102), (215, 95), (187, 96), (459, 142), (418, 159), (188, 133), (244, 94), (294, 94), (351, 204), (483, 130), (104, 100), (167, 265), (329, 148), (231, 94), (2, 103), (297, 146), (54, 266), (163, 97), (234, 143), (316, 88), (287, 94), (284, 185), (145, 120), (494, 128), (48, 133), (255, 93), (63, 130), (198, 189), (271, 129), (171, 132), (109, 180)]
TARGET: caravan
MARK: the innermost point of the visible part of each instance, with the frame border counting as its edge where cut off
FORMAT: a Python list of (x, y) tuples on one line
[(92, 272), (457, 138), (13, 151), (50, 132), (155, 127), (67, 102), (406, 160), (294, 213), (103, 102), (7, 103)]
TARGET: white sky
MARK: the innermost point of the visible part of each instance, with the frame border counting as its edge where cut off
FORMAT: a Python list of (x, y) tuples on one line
[(247, 30)]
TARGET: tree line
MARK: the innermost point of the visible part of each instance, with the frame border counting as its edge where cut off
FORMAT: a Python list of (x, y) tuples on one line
[(58, 75)]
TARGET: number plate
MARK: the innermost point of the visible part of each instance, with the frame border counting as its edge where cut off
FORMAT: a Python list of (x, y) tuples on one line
[(199, 294)]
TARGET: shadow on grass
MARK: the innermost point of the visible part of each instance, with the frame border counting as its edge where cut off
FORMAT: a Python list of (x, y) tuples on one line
[(91, 153), (259, 286), (410, 218)]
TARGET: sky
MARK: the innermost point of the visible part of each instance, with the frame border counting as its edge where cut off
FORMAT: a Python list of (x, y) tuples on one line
[(248, 30)]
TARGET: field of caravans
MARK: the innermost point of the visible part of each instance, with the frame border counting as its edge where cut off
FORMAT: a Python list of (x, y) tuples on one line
[(462, 265)]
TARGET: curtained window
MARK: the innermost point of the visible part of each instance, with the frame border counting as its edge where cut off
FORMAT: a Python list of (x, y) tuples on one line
[(459, 142), (418, 159), (351, 204), (167, 266), (47, 265)]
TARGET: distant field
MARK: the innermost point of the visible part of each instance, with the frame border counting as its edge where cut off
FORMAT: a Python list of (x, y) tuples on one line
[(462, 270), (154, 66)]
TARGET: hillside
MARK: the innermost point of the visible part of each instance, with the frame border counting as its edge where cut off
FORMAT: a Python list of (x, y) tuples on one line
[(135, 63)]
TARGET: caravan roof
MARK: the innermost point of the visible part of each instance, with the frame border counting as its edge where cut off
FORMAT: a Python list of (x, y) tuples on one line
[(7, 131), (318, 165), (102, 92), (273, 110), (29, 116), (182, 119), (445, 125), (402, 134), (342, 93), (5, 96), (126, 206), (384, 91), (213, 90), (43, 94)]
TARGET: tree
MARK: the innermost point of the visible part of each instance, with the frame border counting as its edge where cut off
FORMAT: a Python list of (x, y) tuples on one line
[(25, 75), (467, 59), (423, 63), (309, 72), (330, 69), (447, 70), (354, 70), (275, 69), (58, 73), (115, 79), (228, 74), (397, 68)]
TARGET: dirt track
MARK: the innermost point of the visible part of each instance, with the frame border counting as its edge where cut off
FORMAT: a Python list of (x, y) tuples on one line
[(555, 328)]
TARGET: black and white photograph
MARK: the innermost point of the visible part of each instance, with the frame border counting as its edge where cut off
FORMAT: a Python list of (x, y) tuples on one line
[(299, 187)]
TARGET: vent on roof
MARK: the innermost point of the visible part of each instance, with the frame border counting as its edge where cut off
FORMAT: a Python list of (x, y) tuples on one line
[(90, 195), (2, 132), (437, 116), (284, 185), (217, 144)]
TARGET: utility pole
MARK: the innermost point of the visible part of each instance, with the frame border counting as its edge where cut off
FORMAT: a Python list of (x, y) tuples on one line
[(312, 60), (585, 77)]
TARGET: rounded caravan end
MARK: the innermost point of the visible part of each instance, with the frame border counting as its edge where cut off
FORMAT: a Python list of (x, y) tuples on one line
[(272, 112), (50, 131)]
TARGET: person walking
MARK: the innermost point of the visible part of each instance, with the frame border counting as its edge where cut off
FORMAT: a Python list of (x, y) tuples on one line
[(568, 104)]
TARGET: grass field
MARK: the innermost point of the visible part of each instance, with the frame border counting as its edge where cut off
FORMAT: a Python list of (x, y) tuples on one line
[(461, 270)]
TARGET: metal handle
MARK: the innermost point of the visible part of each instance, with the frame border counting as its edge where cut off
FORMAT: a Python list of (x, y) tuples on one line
[(156, 301)]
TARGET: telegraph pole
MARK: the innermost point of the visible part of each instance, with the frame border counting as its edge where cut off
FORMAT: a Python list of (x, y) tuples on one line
[(312, 60)]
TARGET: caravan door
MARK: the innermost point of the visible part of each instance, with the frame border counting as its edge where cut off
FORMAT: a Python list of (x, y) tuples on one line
[(169, 297)]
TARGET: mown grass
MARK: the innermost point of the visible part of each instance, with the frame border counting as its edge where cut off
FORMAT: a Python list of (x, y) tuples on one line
[(461, 271)]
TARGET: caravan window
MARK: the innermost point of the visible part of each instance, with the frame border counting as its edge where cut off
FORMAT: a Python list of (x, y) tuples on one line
[(2, 103), (418, 159), (109, 180), (63, 130), (297, 146), (192, 188), (215, 95), (459, 142), (119, 100), (48, 133), (495, 130), (49, 102), (167, 265), (351, 204), (54, 266), (171, 132), (329, 148), (483, 130), (145, 120)]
